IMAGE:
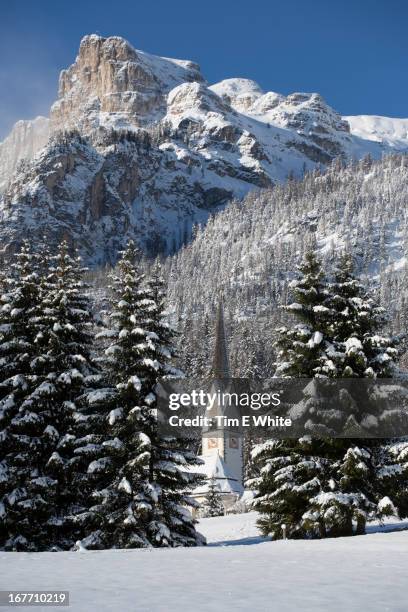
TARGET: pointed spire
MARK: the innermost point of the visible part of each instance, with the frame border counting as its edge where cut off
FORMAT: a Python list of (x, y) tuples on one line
[(220, 366)]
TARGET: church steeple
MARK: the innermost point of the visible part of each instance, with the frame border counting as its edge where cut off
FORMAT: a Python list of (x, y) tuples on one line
[(220, 366), (223, 443)]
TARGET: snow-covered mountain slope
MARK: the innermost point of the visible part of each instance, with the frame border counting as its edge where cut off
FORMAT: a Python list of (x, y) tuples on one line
[(251, 249), (359, 573), (324, 132), (306, 115), (390, 132), (241, 94), (141, 146), (23, 142)]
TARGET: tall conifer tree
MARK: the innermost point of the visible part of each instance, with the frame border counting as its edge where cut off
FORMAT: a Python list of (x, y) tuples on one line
[(139, 479), (320, 486), (173, 460), (20, 428)]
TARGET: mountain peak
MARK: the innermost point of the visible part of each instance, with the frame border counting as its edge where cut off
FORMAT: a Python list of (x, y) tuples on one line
[(114, 46), (238, 92), (115, 85)]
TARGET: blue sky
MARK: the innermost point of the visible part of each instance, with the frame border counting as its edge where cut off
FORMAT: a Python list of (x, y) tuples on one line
[(353, 52)]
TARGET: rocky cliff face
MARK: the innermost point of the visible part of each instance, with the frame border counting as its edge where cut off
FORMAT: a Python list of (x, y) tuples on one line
[(98, 195), (141, 147), (113, 85)]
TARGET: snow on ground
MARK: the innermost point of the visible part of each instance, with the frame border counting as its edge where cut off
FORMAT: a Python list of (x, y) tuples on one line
[(232, 529), (241, 529), (354, 574)]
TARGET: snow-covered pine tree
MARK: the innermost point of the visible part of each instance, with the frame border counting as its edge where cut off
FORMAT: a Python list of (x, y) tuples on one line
[(321, 486), (355, 322), (393, 474), (173, 459), (122, 503), (58, 368), (291, 471), (212, 505), (20, 429), (68, 370), (302, 350), (139, 479), (370, 472), (352, 326)]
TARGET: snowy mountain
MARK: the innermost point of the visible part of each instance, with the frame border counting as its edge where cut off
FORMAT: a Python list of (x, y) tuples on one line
[(140, 146)]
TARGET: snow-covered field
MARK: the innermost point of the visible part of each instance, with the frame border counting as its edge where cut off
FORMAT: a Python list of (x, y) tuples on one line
[(362, 573), (230, 530)]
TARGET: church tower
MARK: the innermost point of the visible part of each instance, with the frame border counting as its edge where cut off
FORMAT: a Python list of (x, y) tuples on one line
[(224, 443)]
